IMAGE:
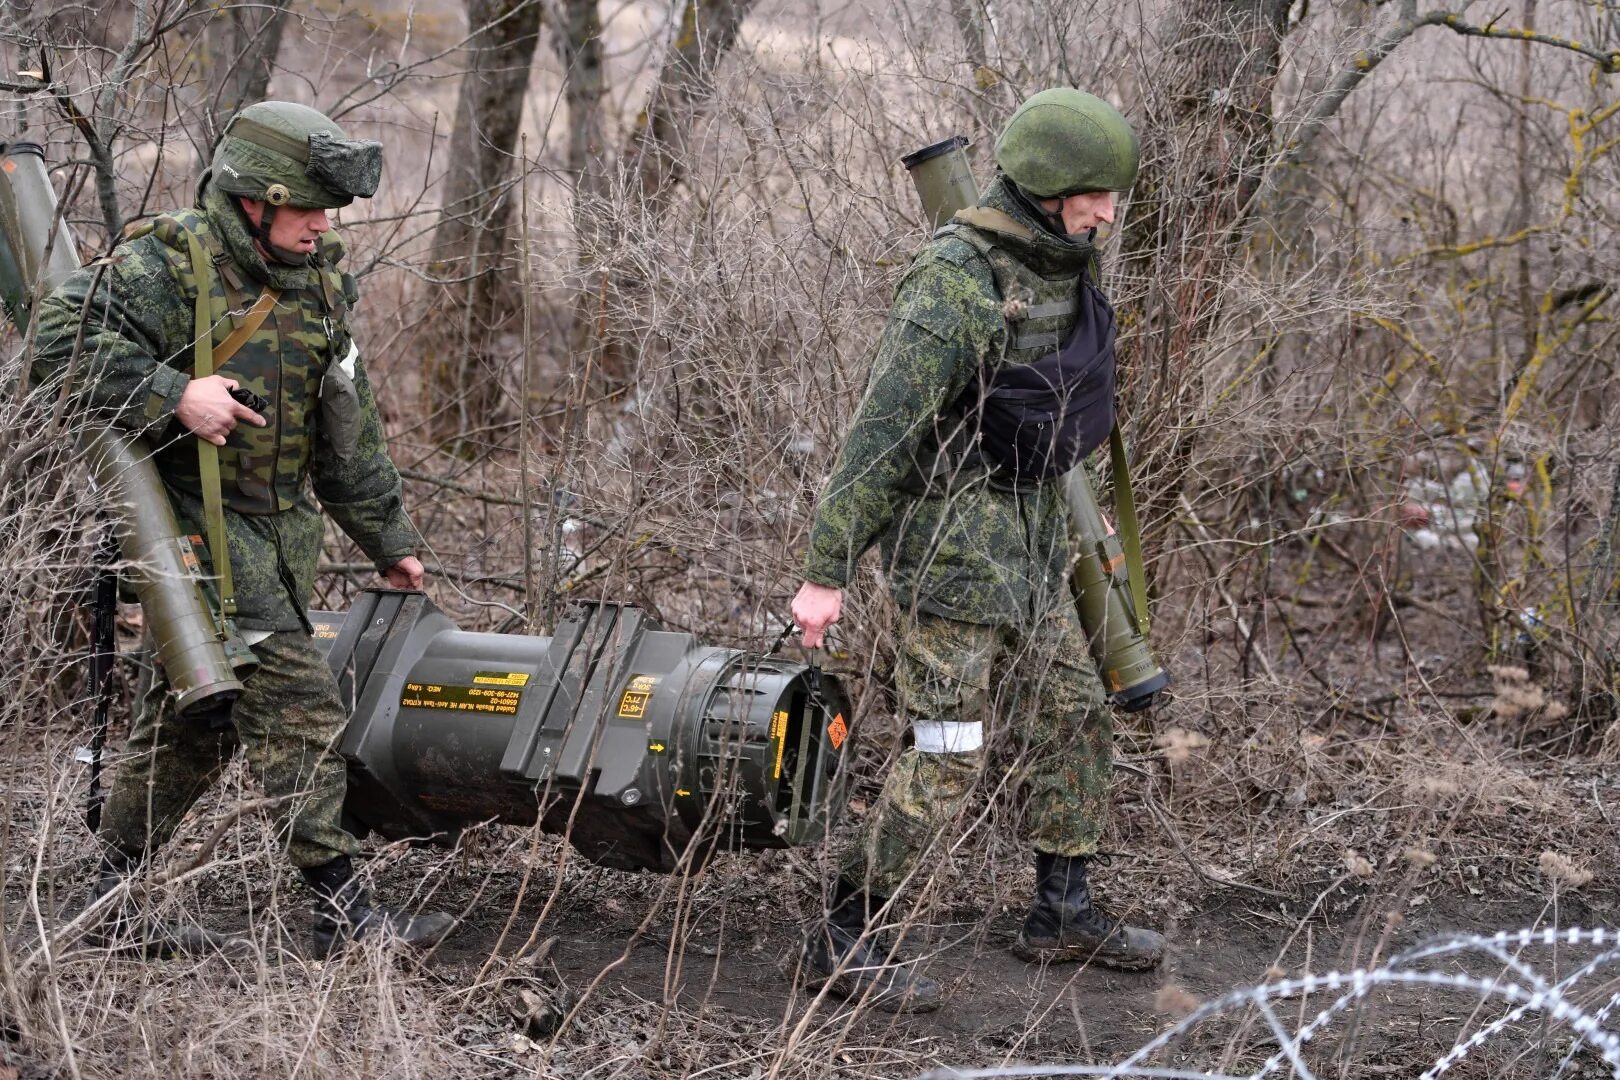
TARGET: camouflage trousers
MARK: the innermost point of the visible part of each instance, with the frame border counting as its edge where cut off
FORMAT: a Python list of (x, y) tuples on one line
[(287, 722), (1047, 729)]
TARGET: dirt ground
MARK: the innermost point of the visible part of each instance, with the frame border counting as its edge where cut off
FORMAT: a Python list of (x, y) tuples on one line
[(656, 979)]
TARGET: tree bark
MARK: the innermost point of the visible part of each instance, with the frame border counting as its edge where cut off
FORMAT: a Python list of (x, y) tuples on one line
[(1206, 135), (472, 244), (240, 47), (658, 143), (581, 51)]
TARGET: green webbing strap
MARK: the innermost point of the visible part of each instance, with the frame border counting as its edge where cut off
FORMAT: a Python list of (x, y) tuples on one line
[(1130, 532), (207, 453)]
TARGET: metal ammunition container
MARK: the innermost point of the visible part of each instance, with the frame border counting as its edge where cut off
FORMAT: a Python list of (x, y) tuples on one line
[(647, 748)]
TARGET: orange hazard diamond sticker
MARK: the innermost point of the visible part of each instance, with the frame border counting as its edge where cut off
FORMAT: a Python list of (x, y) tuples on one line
[(837, 731)]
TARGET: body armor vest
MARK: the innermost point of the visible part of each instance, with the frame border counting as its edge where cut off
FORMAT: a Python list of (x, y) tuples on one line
[(262, 469), (1047, 401)]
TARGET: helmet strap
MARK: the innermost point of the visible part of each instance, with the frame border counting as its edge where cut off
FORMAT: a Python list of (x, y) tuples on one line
[(261, 233), (1051, 222)]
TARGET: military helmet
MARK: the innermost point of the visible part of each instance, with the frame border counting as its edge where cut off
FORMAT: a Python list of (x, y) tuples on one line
[(1064, 141), (287, 154)]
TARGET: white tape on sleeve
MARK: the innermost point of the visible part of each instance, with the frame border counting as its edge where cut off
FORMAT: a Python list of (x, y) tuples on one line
[(947, 737)]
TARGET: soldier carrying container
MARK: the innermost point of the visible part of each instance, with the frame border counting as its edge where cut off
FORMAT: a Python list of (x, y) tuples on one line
[(994, 377), (221, 334)]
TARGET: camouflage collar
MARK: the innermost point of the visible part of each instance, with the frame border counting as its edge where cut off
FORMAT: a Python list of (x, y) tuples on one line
[(229, 221), (1031, 243)]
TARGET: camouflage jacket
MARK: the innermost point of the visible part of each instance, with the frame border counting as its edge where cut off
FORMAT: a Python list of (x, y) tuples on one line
[(137, 360), (965, 550)]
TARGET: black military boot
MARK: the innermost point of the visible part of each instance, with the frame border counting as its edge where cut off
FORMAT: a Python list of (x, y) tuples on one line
[(344, 912), (1064, 924), (840, 954), (124, 926)]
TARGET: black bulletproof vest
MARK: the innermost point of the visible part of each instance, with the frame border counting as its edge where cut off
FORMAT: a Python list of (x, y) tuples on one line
[(1037, 421)]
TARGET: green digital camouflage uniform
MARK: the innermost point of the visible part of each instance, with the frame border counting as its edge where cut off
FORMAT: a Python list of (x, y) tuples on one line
[(980, 573), (135, 364)]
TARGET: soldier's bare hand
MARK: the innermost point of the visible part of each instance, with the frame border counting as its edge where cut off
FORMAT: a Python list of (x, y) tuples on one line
[(208, 411), (406, 574), (815, 608)]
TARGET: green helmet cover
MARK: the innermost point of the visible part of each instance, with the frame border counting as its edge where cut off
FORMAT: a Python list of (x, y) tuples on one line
[(289, 154), (1064, 141)]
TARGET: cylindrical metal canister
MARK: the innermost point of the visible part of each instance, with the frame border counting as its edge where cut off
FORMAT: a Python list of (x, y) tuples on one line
[(200, 652), (1103, 596), (944, 179), (647, 748)]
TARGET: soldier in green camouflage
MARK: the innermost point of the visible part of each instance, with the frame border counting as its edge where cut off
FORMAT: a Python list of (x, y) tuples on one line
[(291, 414), (978, 567)]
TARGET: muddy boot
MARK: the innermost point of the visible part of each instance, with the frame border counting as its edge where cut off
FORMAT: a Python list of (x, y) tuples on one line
[(1064, 924), (124, 927), (852, 963), (344, 913)]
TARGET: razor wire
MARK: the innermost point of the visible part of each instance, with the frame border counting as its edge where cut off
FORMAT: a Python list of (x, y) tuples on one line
[(1518, 984)]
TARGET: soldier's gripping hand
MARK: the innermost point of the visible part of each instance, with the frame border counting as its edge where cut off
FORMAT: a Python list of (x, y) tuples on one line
[(406, 574), (207, 409), (815, 608)]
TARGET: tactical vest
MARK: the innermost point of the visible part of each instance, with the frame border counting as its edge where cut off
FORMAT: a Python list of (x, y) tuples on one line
[(1036, 410), (262, 469)]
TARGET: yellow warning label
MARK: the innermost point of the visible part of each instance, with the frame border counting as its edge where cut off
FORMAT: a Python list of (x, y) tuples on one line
[(324, 630), (637, 693), (779, 734), (501, 678), (460, 698)]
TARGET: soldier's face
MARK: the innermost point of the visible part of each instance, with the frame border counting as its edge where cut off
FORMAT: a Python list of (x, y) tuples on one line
[(1083, 212), (292, 228)]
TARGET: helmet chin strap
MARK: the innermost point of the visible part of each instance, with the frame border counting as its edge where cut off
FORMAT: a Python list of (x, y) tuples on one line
[(1052, 222), (261, 233)]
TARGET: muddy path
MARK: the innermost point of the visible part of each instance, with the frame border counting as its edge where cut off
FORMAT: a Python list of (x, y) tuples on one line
[(740, 970)]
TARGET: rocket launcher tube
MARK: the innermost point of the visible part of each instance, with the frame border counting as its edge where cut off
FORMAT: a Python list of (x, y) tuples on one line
[(27, 214), (1102, 594), (944, 179), (201, 652)]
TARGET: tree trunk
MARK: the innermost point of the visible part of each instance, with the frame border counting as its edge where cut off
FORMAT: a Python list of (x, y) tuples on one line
[(240, 47), (1595, 616), (1206, 134), (472, 244), (654, 163), (707, 31), (581, 51)]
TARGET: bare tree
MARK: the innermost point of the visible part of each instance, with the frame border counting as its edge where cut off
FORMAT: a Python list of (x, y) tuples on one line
[(472, 244), (239, 50), (659, 139), (1207, 132)]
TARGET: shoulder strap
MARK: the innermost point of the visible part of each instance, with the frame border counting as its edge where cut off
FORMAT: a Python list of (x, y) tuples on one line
[(254, 319), (205, 360), (202, 351), (989, 219)]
